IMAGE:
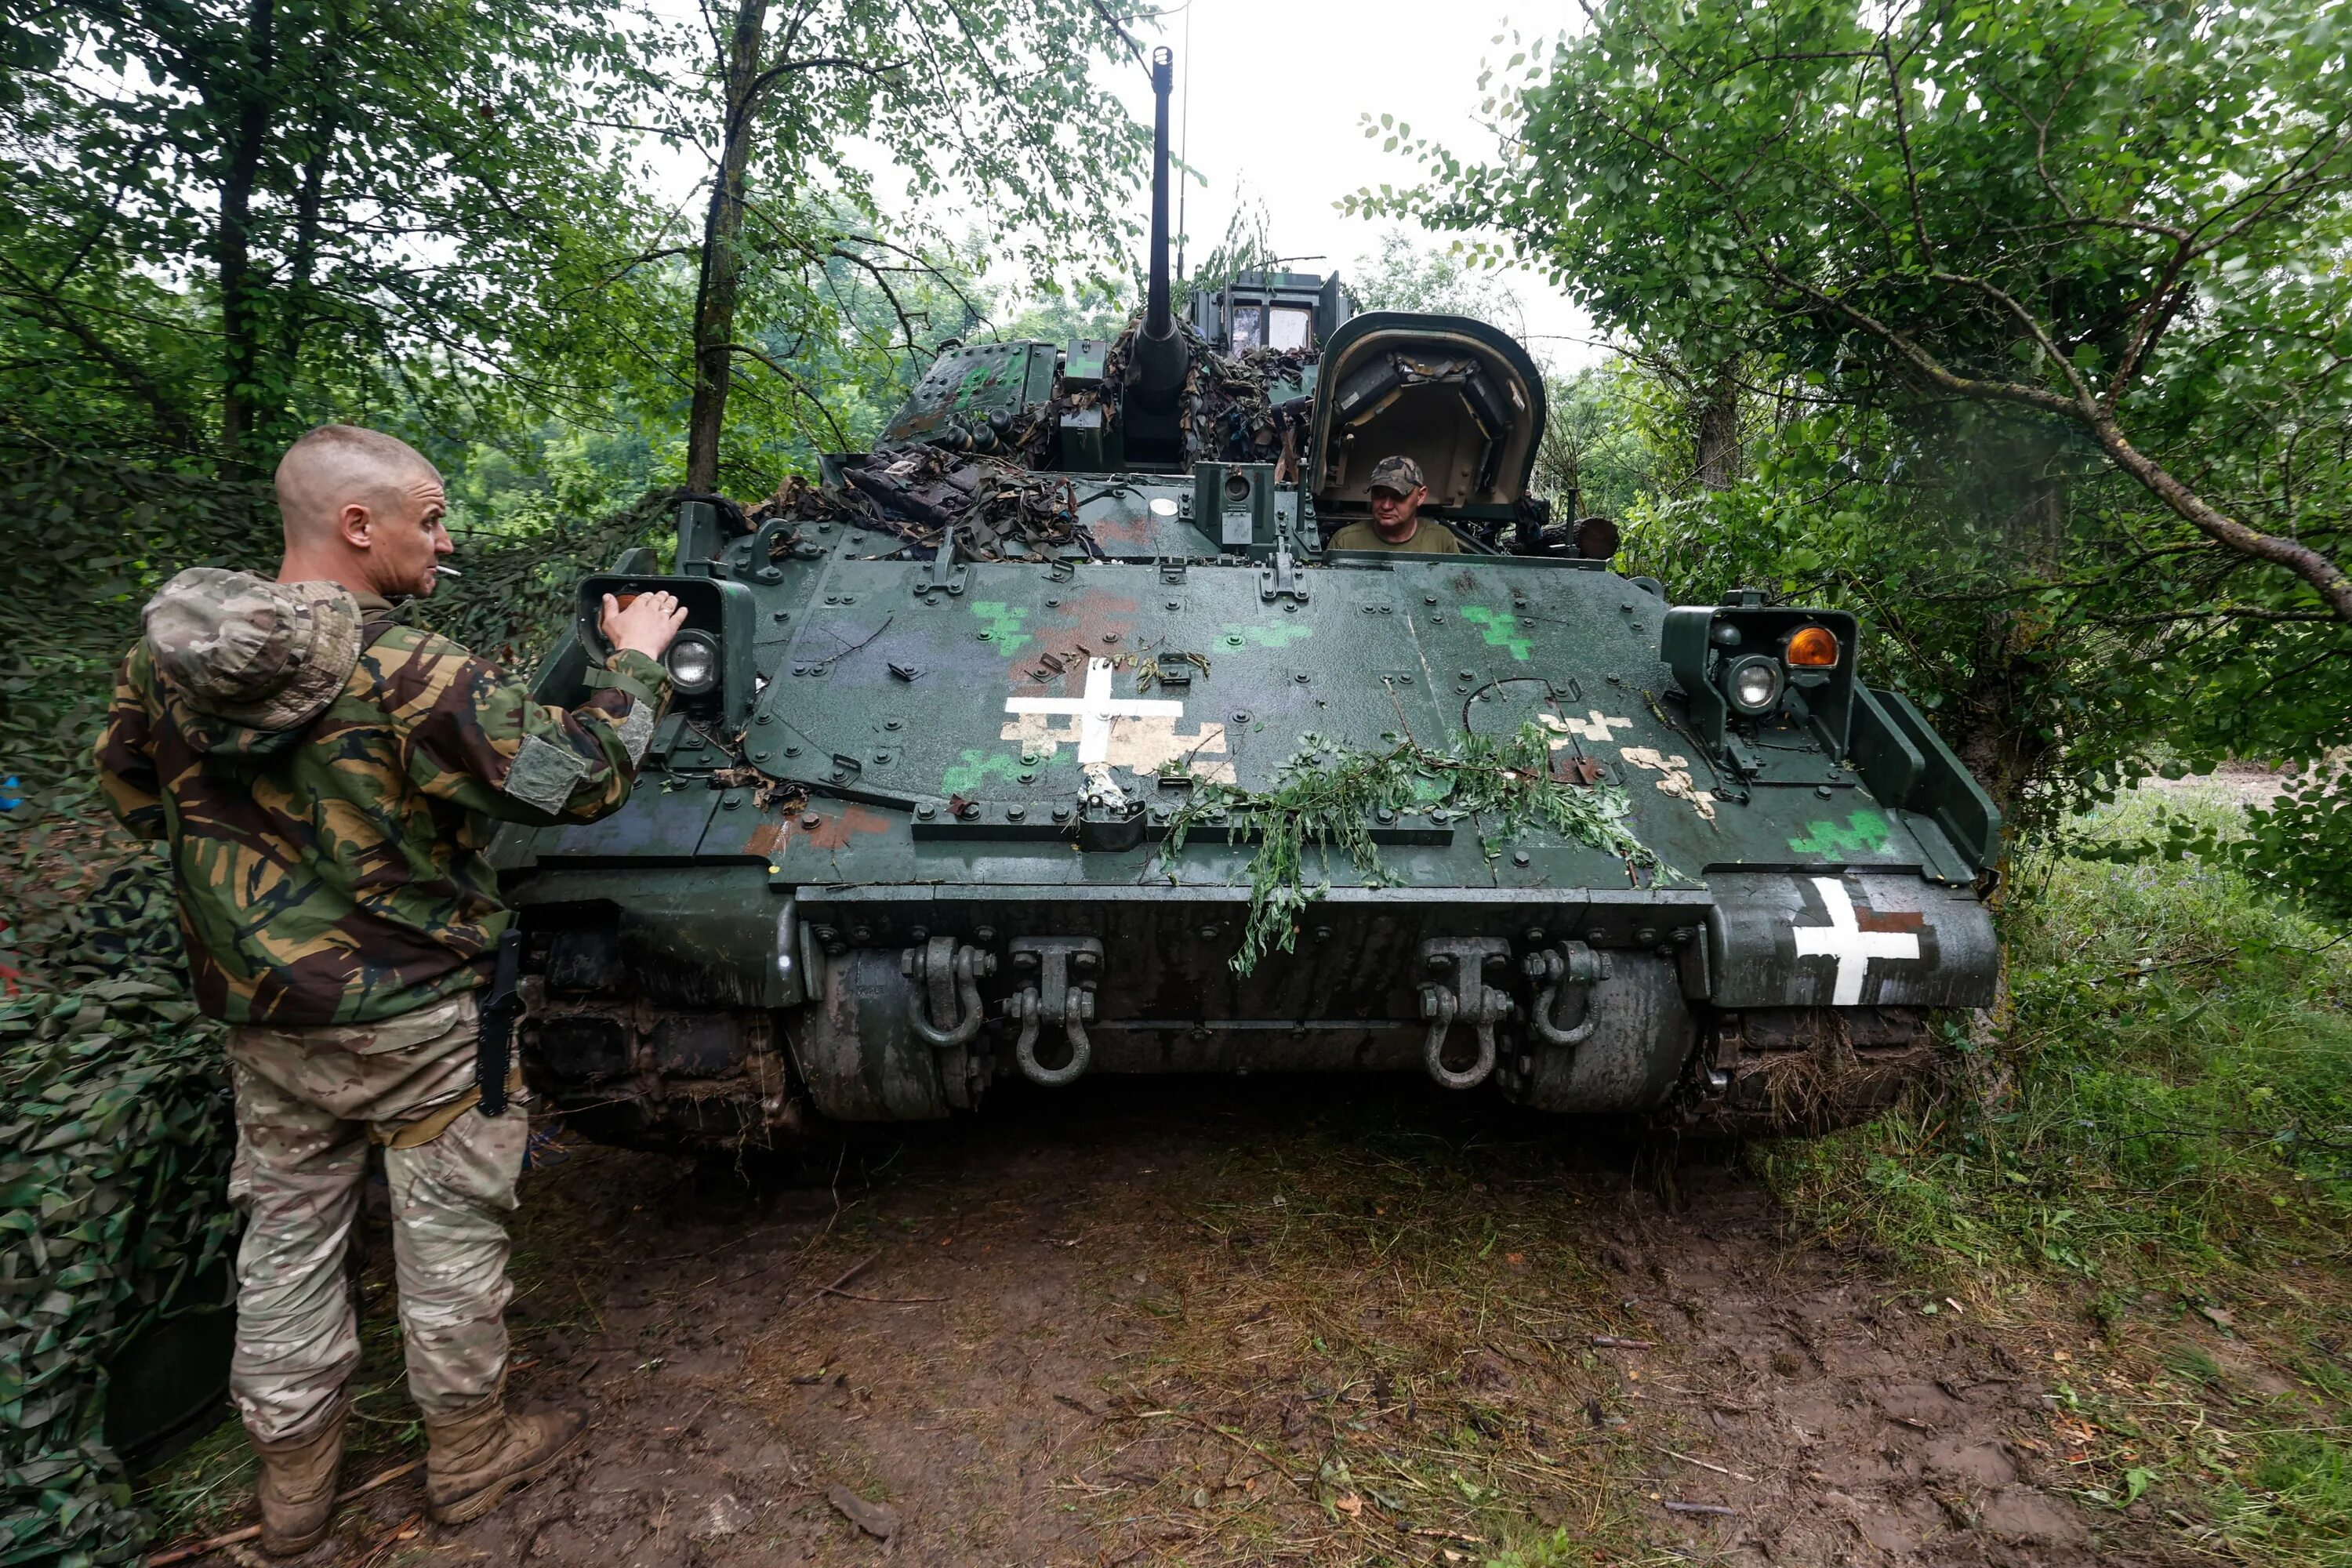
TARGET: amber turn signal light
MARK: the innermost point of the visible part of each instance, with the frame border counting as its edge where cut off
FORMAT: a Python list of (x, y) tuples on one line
[(1813, 647)]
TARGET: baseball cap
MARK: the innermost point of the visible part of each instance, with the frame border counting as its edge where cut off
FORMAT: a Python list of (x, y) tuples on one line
[(1402, 475)]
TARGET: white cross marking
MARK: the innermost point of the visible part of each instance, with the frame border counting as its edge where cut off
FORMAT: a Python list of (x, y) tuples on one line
[(1596, 728), (1095, 710), (1844, 940)]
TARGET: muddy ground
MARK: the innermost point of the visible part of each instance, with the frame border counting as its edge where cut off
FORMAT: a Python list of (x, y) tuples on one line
[(1248, 1321)]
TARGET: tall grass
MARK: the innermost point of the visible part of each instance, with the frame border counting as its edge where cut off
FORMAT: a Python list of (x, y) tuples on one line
[(2172, 1085), (2154, 1134)]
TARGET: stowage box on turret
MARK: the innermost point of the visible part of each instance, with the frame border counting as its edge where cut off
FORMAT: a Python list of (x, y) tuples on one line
[(1051, 737)]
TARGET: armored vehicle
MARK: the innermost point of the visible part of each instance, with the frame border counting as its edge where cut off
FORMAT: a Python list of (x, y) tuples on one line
[(1052, 736)]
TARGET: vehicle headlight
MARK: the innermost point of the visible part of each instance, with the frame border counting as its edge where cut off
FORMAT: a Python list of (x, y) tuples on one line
[(1754, 683), (693, 663)]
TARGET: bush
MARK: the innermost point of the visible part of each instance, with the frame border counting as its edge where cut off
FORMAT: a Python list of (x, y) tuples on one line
[(2175, 1080)]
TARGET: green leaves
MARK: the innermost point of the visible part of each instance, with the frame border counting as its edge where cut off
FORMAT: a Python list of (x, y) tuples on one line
[(2039, 303), (1327, 796), (361, 208)]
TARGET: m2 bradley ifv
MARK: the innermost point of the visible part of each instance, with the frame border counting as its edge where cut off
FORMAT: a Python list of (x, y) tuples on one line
[(1048, 739)]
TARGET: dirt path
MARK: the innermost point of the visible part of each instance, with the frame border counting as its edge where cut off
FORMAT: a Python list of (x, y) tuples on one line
[(1233, 1323)]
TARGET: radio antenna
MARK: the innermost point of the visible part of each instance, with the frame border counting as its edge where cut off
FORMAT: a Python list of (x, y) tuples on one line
[(1185, 154)]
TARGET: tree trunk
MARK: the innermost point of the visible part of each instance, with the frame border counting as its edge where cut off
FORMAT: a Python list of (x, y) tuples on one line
[(244, 396), (299, 308), (1991, 725), (721, 282), (1718, 432)]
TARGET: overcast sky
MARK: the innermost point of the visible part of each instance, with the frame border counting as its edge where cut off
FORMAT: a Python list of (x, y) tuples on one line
[(1278, 89)]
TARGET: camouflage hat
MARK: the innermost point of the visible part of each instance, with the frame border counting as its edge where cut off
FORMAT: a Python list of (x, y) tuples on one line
[(240, 647), (1402, 475)]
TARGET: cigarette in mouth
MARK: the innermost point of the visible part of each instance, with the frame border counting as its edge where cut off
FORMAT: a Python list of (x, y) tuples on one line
[(449, 571)]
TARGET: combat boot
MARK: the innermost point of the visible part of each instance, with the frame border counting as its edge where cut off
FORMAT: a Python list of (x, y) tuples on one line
[(474, 1458), (298, 1485)]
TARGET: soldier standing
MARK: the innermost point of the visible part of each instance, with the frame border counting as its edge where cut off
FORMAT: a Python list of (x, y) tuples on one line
[(326, 780)]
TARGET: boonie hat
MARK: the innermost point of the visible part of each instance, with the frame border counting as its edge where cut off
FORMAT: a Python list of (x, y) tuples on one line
[(1402, 475), (253, 652)]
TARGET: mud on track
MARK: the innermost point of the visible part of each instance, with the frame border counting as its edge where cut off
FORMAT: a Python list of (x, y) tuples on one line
[(1244, 1322)]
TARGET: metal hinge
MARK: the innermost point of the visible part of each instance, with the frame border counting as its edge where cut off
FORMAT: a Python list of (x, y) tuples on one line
[(1282, 579), (942, 574)]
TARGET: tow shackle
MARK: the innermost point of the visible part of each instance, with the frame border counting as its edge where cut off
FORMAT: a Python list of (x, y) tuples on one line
[(1458, 992), (1063, 993), (1555, 970), (947, 977)]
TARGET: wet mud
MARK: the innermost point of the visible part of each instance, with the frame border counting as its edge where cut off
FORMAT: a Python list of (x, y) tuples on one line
[(1245, 1322)]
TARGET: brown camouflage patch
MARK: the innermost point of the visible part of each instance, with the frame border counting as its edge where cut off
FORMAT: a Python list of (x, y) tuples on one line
[(336, 874)]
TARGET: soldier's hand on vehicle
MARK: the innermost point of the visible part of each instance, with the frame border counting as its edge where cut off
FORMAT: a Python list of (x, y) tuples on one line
[(645, 623)]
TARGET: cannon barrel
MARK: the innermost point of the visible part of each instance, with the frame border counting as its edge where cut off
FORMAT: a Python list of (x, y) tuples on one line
[(1160, 357)]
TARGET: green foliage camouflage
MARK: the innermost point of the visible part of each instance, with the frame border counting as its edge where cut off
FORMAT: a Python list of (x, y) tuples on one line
[(114, 1152), (1327, 793), (92, 539), (87, 542)]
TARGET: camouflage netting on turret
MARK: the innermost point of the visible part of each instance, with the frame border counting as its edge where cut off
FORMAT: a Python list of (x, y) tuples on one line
[(916, 489), (115, 1139), (1229, 412)]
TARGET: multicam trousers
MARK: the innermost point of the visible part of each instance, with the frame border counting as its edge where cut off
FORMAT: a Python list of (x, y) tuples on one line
[(309, 1100)]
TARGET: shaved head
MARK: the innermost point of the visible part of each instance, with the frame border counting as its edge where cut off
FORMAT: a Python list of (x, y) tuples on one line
[(338, 465), (363, 508)]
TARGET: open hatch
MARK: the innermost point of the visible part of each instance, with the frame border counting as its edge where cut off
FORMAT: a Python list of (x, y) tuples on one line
[(1458, 396)]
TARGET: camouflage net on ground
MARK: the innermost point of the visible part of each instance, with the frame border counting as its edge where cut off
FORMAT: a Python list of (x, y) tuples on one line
[(115, 1141), (87, 542)]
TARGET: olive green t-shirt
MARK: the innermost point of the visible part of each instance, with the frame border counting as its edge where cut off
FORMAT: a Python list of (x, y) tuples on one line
[(1430, 538)]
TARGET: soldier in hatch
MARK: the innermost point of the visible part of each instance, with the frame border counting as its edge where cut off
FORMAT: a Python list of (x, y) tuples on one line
[(325, 779), (1397, 493)]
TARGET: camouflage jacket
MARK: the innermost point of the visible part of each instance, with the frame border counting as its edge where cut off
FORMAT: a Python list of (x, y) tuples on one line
[(333, 873)]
